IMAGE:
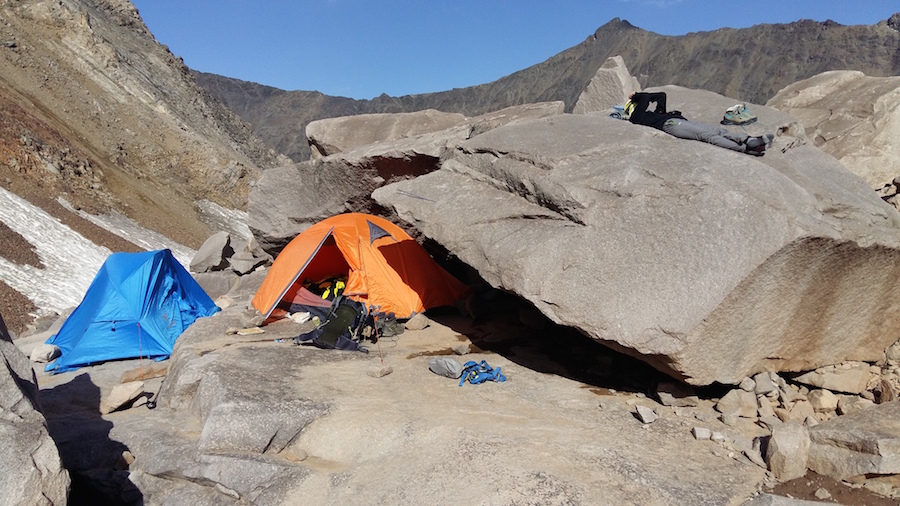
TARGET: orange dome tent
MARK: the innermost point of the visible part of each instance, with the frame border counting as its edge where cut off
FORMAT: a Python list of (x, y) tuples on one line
[(385, 268)]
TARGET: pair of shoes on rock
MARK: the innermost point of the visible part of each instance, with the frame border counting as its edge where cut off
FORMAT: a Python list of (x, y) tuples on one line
[(738, 115)]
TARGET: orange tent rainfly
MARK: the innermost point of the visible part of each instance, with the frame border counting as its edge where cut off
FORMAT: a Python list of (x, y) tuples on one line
[(385, 268)]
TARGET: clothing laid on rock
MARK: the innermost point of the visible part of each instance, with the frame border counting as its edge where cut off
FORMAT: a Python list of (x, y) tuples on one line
[(675, 124), (479, 372)]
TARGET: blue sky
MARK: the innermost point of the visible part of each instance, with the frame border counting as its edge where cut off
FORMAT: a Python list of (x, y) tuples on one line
[(362, 48)]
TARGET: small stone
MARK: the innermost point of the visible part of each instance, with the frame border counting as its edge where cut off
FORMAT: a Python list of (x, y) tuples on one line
[(701, 433), (754, 453), (763, 384), (748, 385), (646, 415), (676, 394), (124, 461), (684, 412), (765, 406), (418, 322), (821, 493), (730, 419), (738, 401), (380, 372), (851, 403), (44, 353), (224, 302), (788, 451), (121, 395), (718, 437), (251, 317), (756, 458), (602, 405), (250, 331), (461, 349), (770, 422), (823, 400), (801, 410)]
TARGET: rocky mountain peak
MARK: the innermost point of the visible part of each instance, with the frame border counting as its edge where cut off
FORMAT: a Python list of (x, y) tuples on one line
[(894, 21)]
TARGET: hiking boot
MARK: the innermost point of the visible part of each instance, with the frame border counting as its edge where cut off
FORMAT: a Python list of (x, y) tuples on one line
[(758, 150), (738, 115), (755, 142)]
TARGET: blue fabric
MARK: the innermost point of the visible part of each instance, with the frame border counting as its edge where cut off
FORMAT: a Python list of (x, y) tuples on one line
[(476, 373), (137, 305)]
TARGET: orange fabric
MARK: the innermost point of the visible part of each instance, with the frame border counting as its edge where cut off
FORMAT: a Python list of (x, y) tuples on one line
[(391, 274)]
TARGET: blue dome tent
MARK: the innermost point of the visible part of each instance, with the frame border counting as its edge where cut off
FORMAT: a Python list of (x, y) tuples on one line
[(137, 305)]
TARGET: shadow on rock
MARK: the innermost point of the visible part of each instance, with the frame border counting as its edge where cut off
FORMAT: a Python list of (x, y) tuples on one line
[(96, 463), (505, 324)]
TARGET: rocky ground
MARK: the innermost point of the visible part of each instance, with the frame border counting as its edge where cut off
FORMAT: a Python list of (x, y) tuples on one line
[(562, 429)]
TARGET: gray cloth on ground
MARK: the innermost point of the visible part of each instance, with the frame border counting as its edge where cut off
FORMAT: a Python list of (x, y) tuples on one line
[(685, 129), (445, 366)]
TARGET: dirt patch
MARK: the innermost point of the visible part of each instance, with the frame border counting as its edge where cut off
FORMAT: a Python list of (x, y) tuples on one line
[(15, 308), (838, 492), (16, 249)]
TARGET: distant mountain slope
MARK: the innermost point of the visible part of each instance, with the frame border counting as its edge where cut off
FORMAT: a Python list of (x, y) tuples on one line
[(96, 115), (150, 141), (749, 64)]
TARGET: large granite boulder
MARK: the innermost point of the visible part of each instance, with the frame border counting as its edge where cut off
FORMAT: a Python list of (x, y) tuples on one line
[(422, 128), (851, 116), (709, 264), (287, 200), (334, 135), (31, 470), (364, 152), (609, 87)]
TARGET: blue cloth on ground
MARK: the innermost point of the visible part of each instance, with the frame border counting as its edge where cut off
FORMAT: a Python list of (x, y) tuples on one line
[(479, 372)]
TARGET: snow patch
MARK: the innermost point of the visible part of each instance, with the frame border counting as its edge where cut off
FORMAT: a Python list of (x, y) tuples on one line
[(70, 260), (219, 218), (134, 233)]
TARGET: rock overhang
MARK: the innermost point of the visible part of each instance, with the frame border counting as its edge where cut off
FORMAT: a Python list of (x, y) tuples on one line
[(638, 238)]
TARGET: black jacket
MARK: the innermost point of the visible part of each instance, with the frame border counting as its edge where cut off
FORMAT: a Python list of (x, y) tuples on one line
[(655, 118)]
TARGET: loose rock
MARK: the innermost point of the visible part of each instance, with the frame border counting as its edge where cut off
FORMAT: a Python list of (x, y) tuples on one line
[(645, 414), (788, 451)]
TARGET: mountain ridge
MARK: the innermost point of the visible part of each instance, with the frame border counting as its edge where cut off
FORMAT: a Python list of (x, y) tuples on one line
[(761, 60)]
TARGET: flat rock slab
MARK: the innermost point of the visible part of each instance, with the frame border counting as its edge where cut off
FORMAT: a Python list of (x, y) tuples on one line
[(276, 423)]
